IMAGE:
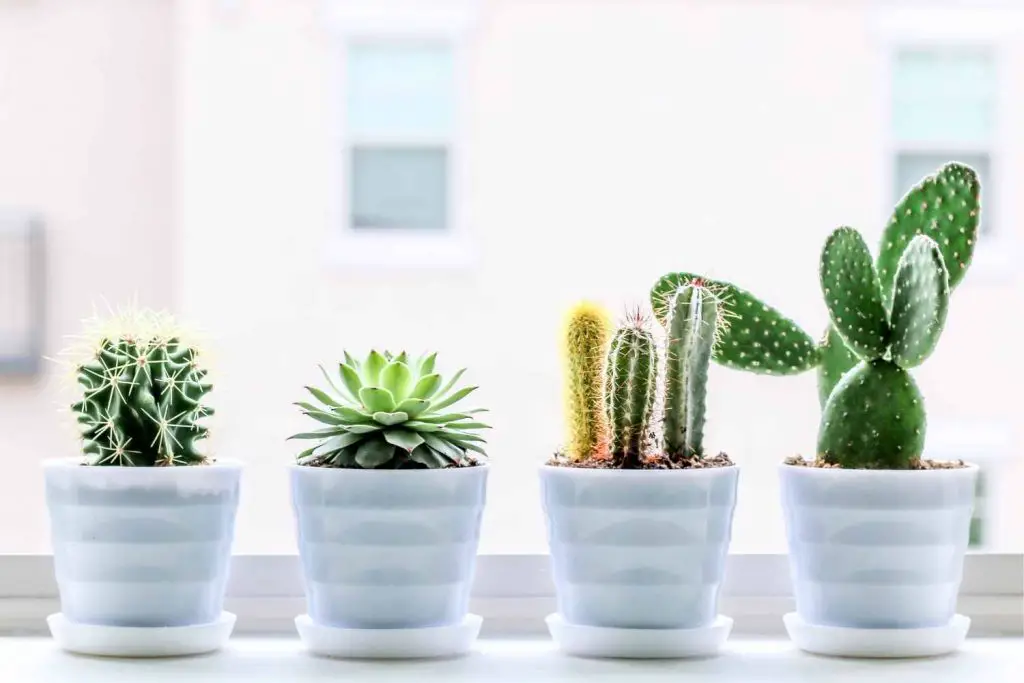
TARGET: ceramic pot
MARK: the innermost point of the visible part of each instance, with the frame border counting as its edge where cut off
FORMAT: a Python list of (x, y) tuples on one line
[(142, 546), (875, 549), (641, 549), (384, 549)]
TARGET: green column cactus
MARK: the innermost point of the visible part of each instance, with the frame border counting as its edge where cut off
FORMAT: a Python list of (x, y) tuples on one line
[(142, 392), (692, 326), (630, 385), (875, 418), (584, 351)]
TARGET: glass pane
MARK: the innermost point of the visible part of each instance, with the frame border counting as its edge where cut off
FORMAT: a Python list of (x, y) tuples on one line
[(944, 96), (396, 90), (399, 188), (912, 166)]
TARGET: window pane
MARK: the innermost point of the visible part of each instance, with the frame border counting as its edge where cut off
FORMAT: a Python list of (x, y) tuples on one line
[(400, 188), (396, 90), (946, 96), (912, 166)]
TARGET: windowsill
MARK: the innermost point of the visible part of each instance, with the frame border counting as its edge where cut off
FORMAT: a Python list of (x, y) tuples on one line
[(403, 250), (535, 659)]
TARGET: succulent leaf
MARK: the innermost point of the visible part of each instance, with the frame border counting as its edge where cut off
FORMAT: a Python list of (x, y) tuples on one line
[(404, 438), (377, 399), (853, 295), (920, 302), (374, 453), (397, 378), (372, 367), (390, 419)]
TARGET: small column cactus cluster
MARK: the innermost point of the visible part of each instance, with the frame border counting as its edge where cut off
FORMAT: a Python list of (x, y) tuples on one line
[(886, 317), (612, 385), (142, 394)]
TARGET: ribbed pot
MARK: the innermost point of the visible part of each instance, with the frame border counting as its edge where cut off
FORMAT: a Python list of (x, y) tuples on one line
[(142, 546), (388, 548), (877, 548), (639, 548)]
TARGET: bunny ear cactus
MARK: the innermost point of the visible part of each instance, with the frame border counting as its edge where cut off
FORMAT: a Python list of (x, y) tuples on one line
[(142, 394), (586, 344), (945, 206), (387, 412), (630, 386), (692, 325), (874, 418)]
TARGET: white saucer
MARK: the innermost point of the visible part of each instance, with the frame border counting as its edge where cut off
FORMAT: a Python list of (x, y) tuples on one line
[(637, 643), (389, 643), (141, 641), (889, 643)]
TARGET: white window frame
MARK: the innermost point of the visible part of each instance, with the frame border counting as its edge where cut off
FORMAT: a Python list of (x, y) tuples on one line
[(347, 21), (994, 26), (515, 592)]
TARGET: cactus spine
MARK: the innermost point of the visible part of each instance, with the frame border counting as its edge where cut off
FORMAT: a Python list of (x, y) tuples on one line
[(586, 343), (691, 326), (632, 368)]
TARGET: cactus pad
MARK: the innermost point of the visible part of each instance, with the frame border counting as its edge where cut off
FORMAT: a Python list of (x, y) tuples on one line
[(752, 335), (874, 419), (944, 206), (920, 302), (836, 360), (852, 293)]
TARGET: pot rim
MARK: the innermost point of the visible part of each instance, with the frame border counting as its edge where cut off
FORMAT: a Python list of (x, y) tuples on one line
[(424, 472), (837, 472), (640, 473), (77, 463)]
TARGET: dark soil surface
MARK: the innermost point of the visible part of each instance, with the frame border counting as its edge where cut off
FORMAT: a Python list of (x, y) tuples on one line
[(657, 461), (798, 461)]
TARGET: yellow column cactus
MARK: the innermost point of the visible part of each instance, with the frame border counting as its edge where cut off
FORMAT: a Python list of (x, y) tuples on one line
[(587, 331)]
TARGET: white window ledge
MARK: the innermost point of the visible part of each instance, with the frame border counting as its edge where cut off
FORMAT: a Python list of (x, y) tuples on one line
[(536, 660), (513, 593)]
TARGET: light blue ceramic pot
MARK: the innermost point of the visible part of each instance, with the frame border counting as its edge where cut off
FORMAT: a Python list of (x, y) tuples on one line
[(639, 548), (388, 548), (877, 548), (142, 546)]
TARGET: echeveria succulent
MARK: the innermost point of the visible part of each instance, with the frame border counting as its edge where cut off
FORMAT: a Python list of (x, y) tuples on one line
[(392, 413)]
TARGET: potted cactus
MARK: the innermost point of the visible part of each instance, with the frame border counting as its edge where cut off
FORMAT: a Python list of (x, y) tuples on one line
[(388, 502), (639, 513), (877, 532), (142, 526)]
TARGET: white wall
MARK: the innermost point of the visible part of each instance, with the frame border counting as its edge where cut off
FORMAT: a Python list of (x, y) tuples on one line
[(86, 138), (608, 143)]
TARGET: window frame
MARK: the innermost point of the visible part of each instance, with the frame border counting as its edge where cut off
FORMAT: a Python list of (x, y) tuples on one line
[(367, 22), (994, 31), (514, 593)]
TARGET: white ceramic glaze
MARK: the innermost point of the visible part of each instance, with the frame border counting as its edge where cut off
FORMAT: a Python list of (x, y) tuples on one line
[(389, 643), (142, 546), (148, 641), (385, 549), (638, 549), (877, 643), (639, 643), (877, 549)]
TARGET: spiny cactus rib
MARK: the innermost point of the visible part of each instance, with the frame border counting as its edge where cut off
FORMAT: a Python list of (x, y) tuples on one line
[(141, 401), (944, 206), (586, 344), (753, 336), (853, 295), (704, 327), (874, 419), (679, 331), (632, 362), (920, 302), (391, 415)]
